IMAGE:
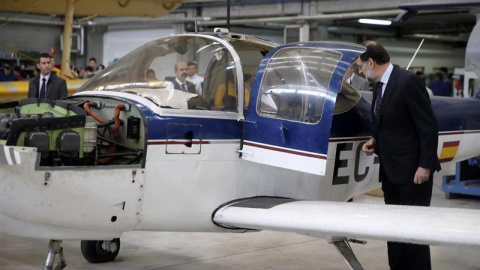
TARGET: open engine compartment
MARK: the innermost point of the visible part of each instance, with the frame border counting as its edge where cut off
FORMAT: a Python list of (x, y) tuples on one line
[(86, 131)]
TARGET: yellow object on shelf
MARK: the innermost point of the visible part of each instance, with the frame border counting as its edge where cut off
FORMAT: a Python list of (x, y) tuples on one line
[(17, 90)]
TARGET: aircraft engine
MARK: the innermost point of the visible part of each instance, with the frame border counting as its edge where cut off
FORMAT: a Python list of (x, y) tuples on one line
[(69, 132)]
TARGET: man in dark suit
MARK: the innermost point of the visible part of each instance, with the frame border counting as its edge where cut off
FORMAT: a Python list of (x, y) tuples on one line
[(180, 82), (46, 84), (405, 138)]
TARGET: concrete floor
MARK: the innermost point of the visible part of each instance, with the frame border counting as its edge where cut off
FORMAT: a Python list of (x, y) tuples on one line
[(262, 250)]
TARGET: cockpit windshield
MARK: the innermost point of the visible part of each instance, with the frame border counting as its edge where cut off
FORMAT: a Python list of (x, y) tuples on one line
[(180, 72)]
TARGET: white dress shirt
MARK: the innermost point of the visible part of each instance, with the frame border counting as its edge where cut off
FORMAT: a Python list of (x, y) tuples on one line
[(41, 81), (385, 77), (197, 80)]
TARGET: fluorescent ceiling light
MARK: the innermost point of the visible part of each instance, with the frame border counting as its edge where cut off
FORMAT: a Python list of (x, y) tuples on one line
[(372, 21)]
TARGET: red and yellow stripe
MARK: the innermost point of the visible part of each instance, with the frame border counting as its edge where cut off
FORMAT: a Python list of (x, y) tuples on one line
[(449, 150), (11, 91)]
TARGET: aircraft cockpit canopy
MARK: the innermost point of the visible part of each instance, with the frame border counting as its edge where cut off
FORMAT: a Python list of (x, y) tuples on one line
[(157, 70), (295, 85)]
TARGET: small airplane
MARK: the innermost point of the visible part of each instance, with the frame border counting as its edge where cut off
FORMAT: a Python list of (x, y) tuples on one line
[(127, 153)]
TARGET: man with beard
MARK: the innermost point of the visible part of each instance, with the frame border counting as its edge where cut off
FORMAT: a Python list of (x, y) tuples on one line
[(405, 138), (180, 81)]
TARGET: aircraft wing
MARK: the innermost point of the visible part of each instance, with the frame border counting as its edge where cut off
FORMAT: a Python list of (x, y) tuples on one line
[(412, 224)]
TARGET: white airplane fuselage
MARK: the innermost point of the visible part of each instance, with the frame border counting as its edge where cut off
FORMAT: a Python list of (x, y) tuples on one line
[(173, 192)]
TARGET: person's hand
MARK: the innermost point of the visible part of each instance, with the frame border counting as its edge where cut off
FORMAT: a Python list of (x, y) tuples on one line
[(421, 175), (369, 147)]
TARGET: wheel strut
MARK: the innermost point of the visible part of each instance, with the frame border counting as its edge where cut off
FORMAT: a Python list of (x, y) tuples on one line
[(346, 251), (54, 248)]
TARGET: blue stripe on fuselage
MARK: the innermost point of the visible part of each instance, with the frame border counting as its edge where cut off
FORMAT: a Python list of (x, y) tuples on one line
[(219, 129), (211, 129), (457, 114), (453, 114)]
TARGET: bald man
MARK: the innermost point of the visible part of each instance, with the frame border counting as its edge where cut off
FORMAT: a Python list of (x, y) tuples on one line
[(180, 81)]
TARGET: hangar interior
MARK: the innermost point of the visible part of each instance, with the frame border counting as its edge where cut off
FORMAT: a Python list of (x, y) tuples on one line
[(446, 31)]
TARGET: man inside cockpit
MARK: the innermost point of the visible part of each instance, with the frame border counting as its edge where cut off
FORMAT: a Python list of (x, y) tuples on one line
[(180, 82), (355, 80), (150, 76)]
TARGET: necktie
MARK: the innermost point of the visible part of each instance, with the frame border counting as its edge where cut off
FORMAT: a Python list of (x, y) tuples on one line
[(378, 99), (184, 88), (42, 89)]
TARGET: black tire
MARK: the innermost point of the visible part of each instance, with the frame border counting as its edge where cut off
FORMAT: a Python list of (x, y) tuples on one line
[(100, 251)]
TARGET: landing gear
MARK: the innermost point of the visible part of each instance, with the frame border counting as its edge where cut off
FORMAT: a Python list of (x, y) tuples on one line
[(100, 251), (344, 248), (54, 248)]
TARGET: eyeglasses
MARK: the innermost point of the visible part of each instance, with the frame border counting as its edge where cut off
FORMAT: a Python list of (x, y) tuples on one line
[(182, 69)]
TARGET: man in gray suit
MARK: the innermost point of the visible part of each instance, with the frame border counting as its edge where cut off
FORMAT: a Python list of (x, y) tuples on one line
[(355, 80), (46, 85)]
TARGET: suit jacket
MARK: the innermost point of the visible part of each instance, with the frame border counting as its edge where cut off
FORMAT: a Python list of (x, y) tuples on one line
[(360, 83), (190, 86), (56, 87), (406, 133)]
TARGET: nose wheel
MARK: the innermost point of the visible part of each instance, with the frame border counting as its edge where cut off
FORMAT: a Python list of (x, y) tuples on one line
[(100, 251)]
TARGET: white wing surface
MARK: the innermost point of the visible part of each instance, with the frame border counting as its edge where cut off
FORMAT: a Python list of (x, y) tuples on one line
[(412, 224)]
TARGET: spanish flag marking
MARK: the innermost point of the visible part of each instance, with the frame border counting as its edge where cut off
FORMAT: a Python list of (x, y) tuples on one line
[(449, 150)]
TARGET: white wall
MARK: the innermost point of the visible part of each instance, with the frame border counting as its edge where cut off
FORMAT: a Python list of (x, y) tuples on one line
[(117, 43), (270, 34), (432, 55)]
